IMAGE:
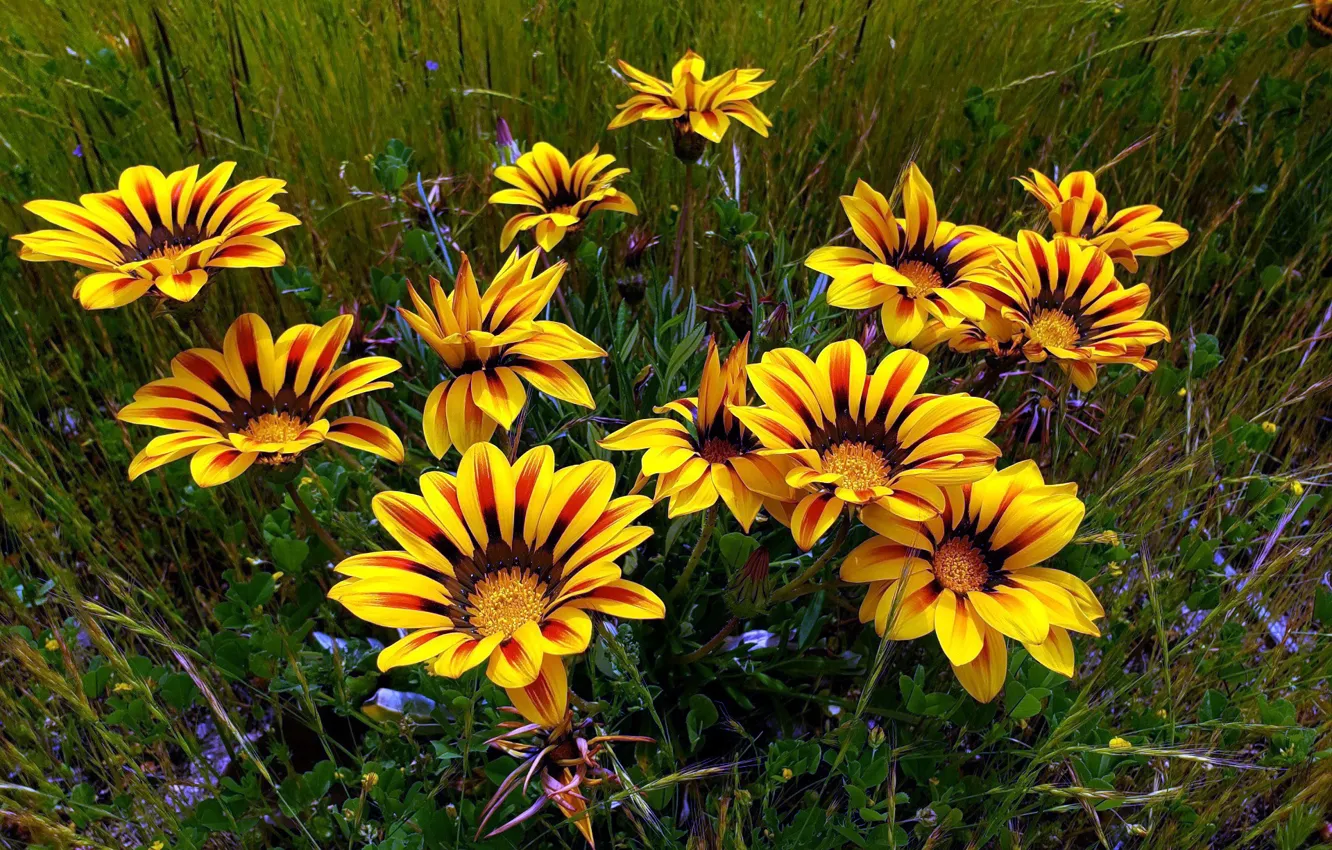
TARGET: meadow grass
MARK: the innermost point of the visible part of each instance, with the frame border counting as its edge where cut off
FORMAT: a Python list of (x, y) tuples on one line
[(160, 685)]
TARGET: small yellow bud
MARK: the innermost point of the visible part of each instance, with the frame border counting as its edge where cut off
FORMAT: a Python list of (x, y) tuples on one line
[(1118, 743), (52, 644), (787, 774), (1110, 537), (1183, 391), (369, 780), (121, 687), (277, 575), (1297, 487), (1161, 713), (1269, 427), (157, 845), (1115, 569)]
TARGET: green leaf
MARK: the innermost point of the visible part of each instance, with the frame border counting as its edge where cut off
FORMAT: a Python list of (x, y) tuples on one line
[(178, 690), (1213, 704), (289, 554), (702, 714)]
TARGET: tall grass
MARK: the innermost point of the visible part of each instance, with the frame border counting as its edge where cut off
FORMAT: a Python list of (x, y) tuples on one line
[(1215, 662)]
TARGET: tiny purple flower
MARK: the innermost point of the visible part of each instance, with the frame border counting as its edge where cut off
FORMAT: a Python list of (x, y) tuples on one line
[(432, 65), (78, 150)]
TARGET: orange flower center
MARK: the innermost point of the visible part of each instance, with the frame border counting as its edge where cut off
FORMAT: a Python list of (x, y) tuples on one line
[(275, 428), (503, 602), (861, 465), (1054, 328), (960, 566), (167, 252), (717, 450), (923, 276)]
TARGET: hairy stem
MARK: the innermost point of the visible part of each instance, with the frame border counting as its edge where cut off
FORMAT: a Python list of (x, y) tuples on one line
[(309, 519), (709, 523), (716, 641), (791, 589)]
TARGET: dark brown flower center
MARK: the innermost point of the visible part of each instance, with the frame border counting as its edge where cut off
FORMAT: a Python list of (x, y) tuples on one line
[(718, 450)]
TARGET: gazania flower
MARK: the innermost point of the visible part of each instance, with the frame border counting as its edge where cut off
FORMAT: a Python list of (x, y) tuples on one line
[(490, 342), (1078, 210), (699, 109), (712, 453), (1320, 22), (990, 334), (568, 759), (970, 576), (855, 439), (164, 234), (564, 195), (916, 266), (259, 400), (1064, 298), (502, 564)]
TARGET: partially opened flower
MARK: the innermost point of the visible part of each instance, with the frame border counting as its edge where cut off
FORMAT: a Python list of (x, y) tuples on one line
[(700, 109), (990, 334), (1320, 22), (970, 575), (164, 234), (854, 439), (501, 564), (1063, 298), (564, 195), (259, 400), (565, 757), (1078, 210), (492, 343), (711, 453), (916, 267)]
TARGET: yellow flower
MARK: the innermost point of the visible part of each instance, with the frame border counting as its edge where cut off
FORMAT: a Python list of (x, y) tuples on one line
[(160, 233), (565, 195), (848, 438), (501, 564), (1077, 210), (970, 576), (1062, 297), (917, 267), (52, 644), (122, 687), (259, 400), (489, 342), (1269, 428), (1118, 743), (699, 109), (713, 453), (1297, 487)]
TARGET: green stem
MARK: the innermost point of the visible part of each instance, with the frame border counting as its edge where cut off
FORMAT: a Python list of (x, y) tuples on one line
[(309, 519), (792, 588), (709, 523), (704, 650)]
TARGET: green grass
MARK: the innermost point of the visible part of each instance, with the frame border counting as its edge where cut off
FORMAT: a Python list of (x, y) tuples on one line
[(181, 672)]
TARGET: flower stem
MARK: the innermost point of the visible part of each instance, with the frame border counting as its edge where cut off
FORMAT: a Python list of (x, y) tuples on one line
[(791, 589), (707, 648), (684, 228), (709, 523), (309, 519)]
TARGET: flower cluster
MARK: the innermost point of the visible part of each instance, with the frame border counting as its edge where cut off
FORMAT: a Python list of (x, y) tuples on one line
[(510, 561)]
